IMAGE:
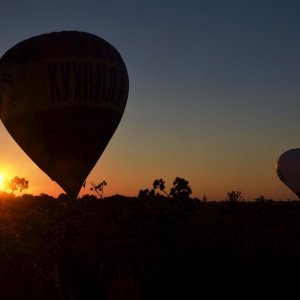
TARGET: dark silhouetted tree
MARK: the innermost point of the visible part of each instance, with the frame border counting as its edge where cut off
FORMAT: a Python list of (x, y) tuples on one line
[(180, 189), (234, 196), (15, 184), (146, 193), (159, 183), (98, 188)]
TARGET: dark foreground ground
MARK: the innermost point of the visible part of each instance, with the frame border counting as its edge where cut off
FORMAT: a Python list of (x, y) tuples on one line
[(123, 248)]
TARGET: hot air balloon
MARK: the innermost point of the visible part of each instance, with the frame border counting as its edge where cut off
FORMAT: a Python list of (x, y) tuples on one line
[(288, 169), (62, 96)]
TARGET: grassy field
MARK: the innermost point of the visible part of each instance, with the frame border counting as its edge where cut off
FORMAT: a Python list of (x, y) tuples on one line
[(131, 248)]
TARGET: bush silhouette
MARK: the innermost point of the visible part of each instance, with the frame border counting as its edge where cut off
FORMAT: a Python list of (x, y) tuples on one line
[(180, 189), (98, 188), (234, 196), (15, 184)]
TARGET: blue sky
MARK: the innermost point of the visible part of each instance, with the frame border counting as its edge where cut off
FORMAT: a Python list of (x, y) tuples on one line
[(214, 91)]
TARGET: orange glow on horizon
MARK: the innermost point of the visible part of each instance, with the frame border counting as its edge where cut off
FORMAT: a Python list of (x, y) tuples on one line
[(1, 181)]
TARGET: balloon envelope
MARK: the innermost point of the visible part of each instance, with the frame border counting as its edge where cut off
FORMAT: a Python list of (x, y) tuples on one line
[(62, 96), (288, 169)]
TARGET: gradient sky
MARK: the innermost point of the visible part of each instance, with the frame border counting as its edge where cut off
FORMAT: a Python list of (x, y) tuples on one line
[(214, 91)]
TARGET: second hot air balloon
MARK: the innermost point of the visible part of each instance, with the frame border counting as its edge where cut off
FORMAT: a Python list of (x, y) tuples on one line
[(288, 169), (62, 96)]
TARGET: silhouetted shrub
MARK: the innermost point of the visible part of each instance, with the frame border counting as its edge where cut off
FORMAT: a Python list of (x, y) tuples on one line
[(234, 196), (180, 189)]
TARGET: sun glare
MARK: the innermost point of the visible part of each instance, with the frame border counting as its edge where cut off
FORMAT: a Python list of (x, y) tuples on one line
[(1, 181)]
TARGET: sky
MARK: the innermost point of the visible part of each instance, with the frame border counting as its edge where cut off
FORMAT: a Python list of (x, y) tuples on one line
[(213, 97)]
